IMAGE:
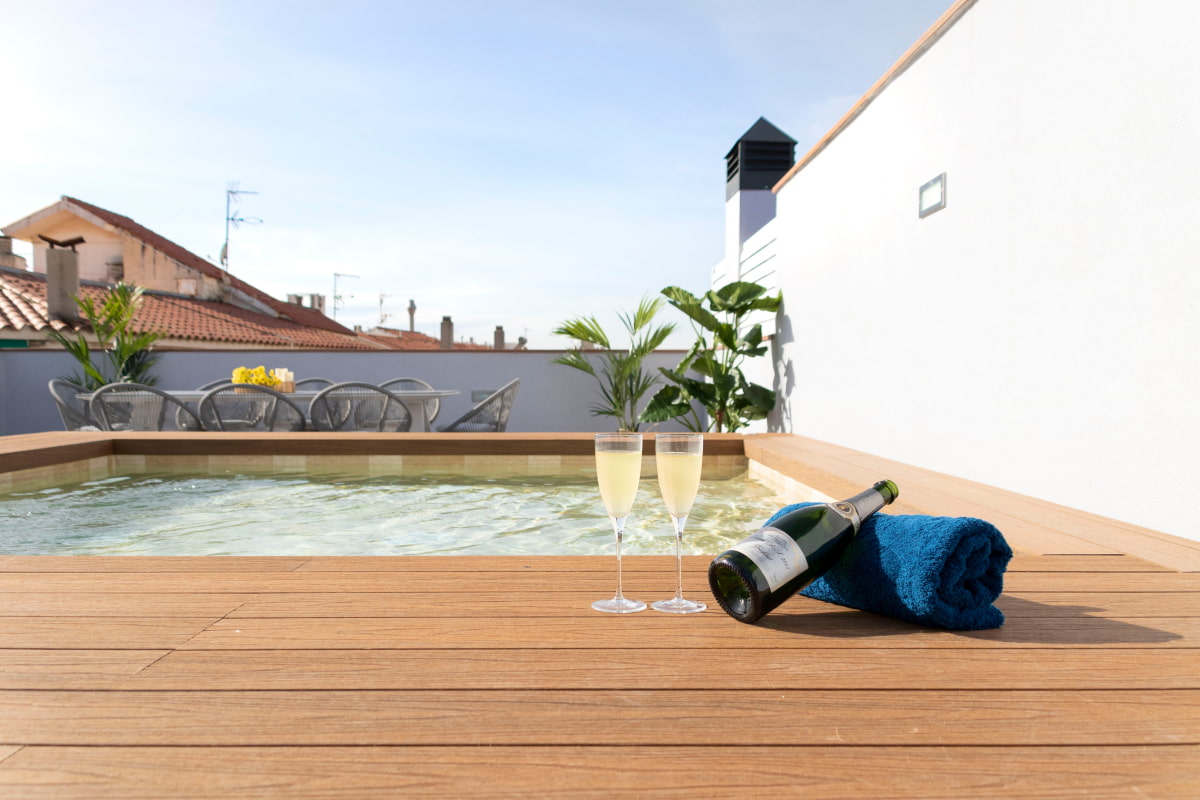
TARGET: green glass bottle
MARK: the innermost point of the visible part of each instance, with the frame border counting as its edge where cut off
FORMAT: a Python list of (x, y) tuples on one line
[(758, 573)]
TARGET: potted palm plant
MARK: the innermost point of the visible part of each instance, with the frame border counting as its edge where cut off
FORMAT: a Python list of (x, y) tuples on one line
[(620, 374)]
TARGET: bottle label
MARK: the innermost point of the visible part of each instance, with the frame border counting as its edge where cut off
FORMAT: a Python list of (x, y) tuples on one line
[(775, 553)]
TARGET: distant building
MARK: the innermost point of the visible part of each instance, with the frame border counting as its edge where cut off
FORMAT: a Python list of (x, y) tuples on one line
[(195, 303)]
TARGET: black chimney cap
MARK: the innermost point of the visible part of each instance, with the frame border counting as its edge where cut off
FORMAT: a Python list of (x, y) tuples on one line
[(759, 158)]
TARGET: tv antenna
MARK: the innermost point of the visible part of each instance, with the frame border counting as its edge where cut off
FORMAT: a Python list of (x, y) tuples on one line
[(337, 298), (233, 217), (382, 316)]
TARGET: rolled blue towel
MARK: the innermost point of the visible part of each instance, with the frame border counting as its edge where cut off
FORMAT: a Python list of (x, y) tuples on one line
[(941, 571)]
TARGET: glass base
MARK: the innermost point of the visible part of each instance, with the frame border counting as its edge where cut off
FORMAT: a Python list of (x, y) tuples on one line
[(677, 605), (619, 605)]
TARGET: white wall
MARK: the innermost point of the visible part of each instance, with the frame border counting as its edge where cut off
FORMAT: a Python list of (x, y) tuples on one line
[(1041, 332)]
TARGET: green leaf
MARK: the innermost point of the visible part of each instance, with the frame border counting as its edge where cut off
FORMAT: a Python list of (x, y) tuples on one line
[(690, 305), (585, 329), (667, 403)]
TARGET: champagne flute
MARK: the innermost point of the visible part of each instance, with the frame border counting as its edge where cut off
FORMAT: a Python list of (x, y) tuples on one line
[(618, 470), (679, 457)]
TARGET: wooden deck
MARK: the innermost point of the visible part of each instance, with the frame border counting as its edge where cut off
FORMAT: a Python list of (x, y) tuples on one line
[(488, 676)]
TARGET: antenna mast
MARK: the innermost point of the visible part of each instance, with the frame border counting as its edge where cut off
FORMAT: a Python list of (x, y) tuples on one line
[(337, 298), (233, 217), (382, 316)]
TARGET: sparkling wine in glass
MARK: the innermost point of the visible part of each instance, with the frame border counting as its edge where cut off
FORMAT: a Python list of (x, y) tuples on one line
[(679, 457), (618, 470)]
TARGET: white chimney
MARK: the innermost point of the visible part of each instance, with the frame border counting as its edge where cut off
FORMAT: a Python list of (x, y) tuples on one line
[(317, 301), (62, 281), (295, 299)]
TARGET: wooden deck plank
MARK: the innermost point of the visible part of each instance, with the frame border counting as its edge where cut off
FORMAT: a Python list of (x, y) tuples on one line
[(600, 581), (122, 604), (600, 773), (72, 669), (95, 565), (578, 604), (634, 717), (134, 633), (631, 668), (839, 628)]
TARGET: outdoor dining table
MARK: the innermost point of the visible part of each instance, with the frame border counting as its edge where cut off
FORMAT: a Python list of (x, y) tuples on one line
[(413, 400)]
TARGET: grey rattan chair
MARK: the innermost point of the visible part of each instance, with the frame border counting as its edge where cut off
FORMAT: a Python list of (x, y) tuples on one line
[(358, 406), (214, 384), (74, 412), (135, 407), (491, 415), (249, 407), (432, 405)]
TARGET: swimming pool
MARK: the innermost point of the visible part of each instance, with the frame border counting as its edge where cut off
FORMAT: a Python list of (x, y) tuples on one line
[(430, 511)]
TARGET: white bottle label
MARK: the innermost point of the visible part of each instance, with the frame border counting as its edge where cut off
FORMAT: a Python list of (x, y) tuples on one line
[(775, 553)]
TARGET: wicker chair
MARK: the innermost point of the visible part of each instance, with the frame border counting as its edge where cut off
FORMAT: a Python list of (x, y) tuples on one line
[(135, 407), (74, 412), (248, 407), (358, 406), (491, 415), (214, 384), (432, 405), (313, 384)]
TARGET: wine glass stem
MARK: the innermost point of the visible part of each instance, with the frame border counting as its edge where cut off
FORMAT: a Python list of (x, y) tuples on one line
[(679, 555), (619, 530)]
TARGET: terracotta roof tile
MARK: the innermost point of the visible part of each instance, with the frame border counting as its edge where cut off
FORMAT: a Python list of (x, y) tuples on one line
[(305, 316), (23, 307), (412, 340)]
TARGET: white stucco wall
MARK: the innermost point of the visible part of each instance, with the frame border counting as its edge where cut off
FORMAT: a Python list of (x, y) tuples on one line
[(1039, 333)]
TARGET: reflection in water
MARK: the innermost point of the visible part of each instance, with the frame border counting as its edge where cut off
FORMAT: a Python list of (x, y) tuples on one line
[(345, 514)]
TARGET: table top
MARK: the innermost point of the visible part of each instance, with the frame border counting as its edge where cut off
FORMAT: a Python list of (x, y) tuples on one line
[(194, 395), (467, 676)]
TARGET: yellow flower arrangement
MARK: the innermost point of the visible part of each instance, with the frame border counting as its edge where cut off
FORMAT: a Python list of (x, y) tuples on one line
[(258, 376)]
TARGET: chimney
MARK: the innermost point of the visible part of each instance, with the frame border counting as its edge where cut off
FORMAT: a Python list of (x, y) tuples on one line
[(317, 301), (755, 163), (295, 299), (412, 316), (8, 258), (447, 334), (498, 344), (62, 281)]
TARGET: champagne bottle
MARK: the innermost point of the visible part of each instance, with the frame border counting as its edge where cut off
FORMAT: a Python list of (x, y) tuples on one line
[(758, 573)]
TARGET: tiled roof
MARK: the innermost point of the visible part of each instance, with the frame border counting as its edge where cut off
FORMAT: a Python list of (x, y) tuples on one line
[(305, 316), (23, 308), (411, 340)]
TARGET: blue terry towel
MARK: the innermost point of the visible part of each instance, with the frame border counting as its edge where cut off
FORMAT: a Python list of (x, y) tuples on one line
[(940, 571)]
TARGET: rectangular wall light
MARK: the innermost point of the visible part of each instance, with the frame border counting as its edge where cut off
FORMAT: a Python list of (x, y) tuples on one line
[(932, 196)]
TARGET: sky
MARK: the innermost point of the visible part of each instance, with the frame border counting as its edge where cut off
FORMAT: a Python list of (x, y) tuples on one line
[(513, 163)]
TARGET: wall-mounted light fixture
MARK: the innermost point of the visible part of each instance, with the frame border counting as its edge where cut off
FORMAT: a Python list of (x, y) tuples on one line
[(932, 196)]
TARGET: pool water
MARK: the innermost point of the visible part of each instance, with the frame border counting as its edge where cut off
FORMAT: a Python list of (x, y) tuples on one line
[(352, 514)]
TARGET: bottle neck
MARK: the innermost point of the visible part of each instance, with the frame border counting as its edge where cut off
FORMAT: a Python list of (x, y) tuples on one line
[(864, 504)]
